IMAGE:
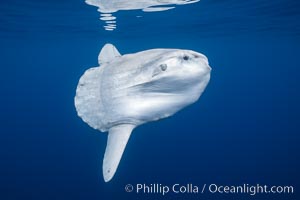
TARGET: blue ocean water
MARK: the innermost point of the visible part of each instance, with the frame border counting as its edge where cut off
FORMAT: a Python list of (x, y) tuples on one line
[(243, 130)]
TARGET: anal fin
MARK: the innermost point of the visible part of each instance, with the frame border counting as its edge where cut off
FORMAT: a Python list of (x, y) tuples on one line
[(116, 142)]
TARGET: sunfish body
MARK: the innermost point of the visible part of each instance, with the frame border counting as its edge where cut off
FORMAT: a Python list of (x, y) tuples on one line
[(130, 90)]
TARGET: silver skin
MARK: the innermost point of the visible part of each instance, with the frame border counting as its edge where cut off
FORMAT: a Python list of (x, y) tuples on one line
[(133, 89)]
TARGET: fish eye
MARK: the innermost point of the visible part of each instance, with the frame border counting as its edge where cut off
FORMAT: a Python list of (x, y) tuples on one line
[(186, 57), (163, 67)]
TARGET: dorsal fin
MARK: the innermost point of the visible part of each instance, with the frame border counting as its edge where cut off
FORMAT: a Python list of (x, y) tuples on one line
[(116, 142), (108, 53)]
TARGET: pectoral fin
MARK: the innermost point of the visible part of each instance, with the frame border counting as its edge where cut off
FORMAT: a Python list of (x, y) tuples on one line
[(116, 142)]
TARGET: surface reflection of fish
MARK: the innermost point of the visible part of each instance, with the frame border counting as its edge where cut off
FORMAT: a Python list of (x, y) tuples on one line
[(107, 7), (133, 89), (110, 6)]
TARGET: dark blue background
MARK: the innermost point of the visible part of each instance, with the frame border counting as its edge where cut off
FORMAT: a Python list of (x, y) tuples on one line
[(244, 129)]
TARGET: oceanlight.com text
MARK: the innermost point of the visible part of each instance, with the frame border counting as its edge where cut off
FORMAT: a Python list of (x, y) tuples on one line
[(189, 188)]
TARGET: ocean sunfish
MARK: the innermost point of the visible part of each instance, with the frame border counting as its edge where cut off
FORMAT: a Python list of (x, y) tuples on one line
[(133, 89)]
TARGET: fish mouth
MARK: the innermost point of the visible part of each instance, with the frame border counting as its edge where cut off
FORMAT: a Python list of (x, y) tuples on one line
[(209, 68), (200, 58)]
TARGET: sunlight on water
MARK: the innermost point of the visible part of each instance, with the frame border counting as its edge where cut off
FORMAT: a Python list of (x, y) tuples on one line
[(107, 7)]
